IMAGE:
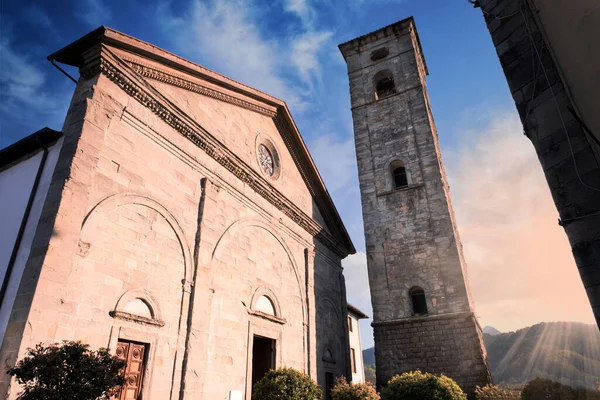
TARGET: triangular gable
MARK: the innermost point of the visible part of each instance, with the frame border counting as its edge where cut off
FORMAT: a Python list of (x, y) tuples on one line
[(135, 66)]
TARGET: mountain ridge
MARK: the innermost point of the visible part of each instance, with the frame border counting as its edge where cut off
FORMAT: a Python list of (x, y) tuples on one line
[(567, 352)]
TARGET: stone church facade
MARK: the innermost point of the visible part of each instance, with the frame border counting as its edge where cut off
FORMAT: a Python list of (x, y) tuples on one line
[(185, 228), (423, 315)]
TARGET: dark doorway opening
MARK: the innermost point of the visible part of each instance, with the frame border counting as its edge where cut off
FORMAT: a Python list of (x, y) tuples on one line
[(418, 301), (263, 358), (329, 384)]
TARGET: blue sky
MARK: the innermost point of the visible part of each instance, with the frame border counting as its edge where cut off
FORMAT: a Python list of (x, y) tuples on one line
[(288, 48)]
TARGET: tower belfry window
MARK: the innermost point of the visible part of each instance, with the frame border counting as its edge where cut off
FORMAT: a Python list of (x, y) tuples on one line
[(400, 178), (419, 303), (384, 84)]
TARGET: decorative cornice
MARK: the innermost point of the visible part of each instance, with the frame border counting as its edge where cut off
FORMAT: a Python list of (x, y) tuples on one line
[(129, 80), (136, 318), (156, 74), (268, 317)]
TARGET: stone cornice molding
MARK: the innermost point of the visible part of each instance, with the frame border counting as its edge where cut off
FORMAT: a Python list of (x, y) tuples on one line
[(157, 74), (402, 27), (100, 60)]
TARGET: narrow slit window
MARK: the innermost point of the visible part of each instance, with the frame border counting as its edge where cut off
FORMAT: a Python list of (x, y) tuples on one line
[(417, 296), (400, 178)]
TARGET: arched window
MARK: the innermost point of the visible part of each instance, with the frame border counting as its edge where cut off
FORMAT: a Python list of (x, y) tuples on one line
[(265, 305), (419, 303), (138, 307), (400, 179), (399, 175), (384, 84)]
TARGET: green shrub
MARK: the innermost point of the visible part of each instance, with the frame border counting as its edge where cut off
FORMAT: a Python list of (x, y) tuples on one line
[(495, 392), (353, 391), (417, 385), (286, 384), (70, 371), (550, 390)]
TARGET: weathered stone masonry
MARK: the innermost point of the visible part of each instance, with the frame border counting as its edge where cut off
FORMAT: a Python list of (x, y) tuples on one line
[(411, 237), (551, 67)]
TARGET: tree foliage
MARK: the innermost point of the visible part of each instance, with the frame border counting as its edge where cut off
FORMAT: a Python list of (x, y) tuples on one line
[(353, 391), (417, 385), (370, 374), (495, 392), (540, 388), (286, 384), (68, 371)]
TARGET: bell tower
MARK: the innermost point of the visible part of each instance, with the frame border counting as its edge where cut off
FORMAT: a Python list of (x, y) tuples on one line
[(422, 311)]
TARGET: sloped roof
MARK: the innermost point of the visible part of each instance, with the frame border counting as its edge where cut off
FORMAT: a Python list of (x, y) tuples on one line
[(356, 312), (78, 54), (27, 146)]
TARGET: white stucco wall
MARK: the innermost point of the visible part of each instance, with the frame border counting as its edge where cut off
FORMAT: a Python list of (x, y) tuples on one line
[(355, 343), (15, 187)]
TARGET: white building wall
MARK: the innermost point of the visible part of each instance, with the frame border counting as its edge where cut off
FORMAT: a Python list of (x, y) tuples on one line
[(358, 372), (16, 183)]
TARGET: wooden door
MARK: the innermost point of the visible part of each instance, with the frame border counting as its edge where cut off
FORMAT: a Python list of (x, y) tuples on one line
[(135, 362)]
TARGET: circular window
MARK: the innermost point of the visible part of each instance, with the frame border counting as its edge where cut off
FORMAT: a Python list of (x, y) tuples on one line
[(265, 159)]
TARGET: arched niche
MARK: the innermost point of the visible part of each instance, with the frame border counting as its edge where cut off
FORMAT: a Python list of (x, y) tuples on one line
[(101, 211), (234, 230)]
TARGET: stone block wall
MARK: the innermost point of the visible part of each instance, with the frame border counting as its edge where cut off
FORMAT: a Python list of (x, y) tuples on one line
[(444, 344)]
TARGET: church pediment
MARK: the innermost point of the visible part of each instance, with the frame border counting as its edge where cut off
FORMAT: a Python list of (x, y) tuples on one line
[(168, 84)]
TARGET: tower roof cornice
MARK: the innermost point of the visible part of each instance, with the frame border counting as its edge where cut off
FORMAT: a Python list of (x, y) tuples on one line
[(402, 27)]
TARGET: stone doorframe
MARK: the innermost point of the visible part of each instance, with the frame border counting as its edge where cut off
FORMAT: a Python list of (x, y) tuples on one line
[(258, 326), (140, 335)]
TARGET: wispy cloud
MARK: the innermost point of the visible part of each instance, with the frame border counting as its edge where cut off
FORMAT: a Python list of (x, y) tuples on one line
[(306, 50), (336, 160), (22, 85), (94, 13), (302, 8), (225, 33), (28, 100), (521, 267)]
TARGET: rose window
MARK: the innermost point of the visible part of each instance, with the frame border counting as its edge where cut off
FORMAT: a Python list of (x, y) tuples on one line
[(266, 160)]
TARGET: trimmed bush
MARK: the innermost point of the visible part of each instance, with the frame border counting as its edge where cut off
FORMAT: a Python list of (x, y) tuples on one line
[(417, 385), (495, 392), (68, 371), (286, 384), (353, 391)]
